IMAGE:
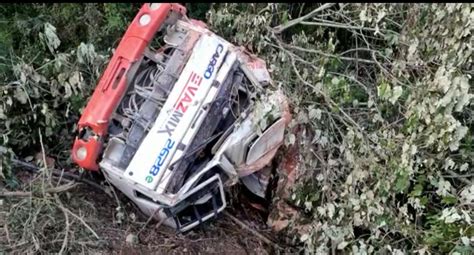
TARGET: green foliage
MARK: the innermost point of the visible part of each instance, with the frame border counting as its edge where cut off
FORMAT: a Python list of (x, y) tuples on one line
[(52, 57), (197, 10), (389, 89), (442, 235), (381, 94)]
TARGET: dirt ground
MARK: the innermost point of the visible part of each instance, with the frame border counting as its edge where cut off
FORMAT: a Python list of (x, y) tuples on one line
[(98, 205), (221, 235), (216, 236)]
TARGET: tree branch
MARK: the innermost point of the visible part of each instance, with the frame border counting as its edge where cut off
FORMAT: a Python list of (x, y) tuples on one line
[(280, 28), (327, 54), (57, 172), (57, 189)]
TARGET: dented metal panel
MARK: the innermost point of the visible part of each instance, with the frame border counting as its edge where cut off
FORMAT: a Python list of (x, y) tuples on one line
[(157, 150), (191, 118)]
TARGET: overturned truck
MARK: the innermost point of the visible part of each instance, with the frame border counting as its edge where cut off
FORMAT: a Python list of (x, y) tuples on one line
[(172, 127)]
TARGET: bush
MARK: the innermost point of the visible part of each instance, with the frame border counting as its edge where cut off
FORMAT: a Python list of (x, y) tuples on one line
[(382, 100), (381, 95)]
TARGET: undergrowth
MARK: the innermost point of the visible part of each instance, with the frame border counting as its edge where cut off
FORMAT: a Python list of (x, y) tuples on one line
[(382, 104), (51, 56), (381, 99)]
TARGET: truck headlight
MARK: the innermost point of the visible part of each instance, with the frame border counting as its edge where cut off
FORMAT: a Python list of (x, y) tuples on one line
[(81, 153)]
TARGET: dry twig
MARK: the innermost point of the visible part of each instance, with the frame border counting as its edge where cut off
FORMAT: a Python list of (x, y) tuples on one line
[(459, 177), (53, 190), (82, 221), (57, 172), (68, 225), (256, 233), (150, 218)]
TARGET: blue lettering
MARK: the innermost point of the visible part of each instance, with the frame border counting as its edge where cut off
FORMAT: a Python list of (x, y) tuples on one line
[(210, 68), (160, 160)]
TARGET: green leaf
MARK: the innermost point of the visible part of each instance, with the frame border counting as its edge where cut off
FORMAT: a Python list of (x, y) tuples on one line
[(284, 18), (449, 200), (417, 190), (20, 95), (402, 181), (397, 92), (52, 40), (383, 90)]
